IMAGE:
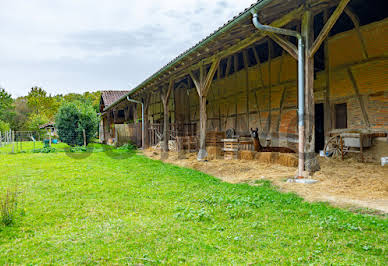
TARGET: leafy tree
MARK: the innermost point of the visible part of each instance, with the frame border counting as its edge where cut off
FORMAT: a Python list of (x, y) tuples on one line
[(41, 103), (22, 113), (4, 126), (35, 121), (6, 106), (74, 117)]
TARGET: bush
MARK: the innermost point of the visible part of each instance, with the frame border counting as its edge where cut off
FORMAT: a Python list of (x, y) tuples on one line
[(72, 118), (8, 205), (127, 147), (45, 150)]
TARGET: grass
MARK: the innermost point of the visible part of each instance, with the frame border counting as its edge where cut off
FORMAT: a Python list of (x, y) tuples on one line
[(119, 208)]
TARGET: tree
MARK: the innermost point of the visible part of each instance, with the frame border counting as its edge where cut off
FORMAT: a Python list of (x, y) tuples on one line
[(6, 106), (74, 117), (4, 126)]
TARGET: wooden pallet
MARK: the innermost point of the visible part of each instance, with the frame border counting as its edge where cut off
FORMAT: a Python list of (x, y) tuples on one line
[(213, 138), (230, 149)]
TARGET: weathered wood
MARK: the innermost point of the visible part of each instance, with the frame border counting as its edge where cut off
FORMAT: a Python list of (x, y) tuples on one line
[(358, 95), (246, 66), (311, 164), (327, 108), (356, 23), (146, 99), (203, 84), (285, 44), (327, 27), (165, 96), (269, 117)]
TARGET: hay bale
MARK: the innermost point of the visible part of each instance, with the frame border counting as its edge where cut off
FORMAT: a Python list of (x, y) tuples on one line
[(263, 157), (246, 155), (287, 159), (214, 152)]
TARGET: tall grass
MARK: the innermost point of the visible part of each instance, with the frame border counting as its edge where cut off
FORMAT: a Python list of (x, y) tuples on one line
[(8, 205)]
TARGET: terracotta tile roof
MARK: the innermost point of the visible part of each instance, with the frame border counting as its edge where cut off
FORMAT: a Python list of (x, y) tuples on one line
[(109, 97)]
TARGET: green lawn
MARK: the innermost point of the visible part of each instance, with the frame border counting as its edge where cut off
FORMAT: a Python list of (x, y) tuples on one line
[(116, 208)]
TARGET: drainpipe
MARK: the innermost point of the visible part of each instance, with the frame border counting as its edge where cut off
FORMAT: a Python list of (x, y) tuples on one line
[(142, 120), (301, 81)]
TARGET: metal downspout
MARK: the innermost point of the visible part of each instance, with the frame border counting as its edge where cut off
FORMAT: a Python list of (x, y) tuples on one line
[(301, 81), (142, 120)]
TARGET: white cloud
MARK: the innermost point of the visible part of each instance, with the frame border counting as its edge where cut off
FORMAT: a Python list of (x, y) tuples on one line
[(79, 45)]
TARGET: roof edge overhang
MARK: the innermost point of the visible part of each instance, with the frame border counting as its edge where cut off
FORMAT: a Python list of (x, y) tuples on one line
[(255, 7)]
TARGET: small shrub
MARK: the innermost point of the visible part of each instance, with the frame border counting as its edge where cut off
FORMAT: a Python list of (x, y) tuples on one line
[(78, 149), (46, 150), (8, 206), (127, 147)]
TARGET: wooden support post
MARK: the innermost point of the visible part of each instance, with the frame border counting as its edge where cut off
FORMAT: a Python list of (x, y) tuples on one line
[(311, 163), (269, 118), (202, 85), (246, 66), (146, 101), (327, 108), (165, 95)]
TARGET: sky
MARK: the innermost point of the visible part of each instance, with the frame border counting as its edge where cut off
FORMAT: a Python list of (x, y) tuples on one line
[(88, 45)]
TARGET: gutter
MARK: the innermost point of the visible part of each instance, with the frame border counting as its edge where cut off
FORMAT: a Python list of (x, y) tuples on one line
[(254, 8), (301, 81)]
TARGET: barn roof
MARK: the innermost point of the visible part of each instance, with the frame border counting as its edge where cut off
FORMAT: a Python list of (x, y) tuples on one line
[(109, 97), (226, 36)]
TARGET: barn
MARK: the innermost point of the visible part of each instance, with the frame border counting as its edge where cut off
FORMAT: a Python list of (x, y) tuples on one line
[(299, 71)]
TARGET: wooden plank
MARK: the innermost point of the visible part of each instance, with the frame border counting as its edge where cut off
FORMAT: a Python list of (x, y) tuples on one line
[(358, 95), (328, 26)]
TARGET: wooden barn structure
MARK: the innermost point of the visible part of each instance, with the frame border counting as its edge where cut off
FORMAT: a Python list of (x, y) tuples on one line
[(241, 77)]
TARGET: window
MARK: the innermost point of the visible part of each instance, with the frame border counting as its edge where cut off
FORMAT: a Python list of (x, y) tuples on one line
[(341, 116)]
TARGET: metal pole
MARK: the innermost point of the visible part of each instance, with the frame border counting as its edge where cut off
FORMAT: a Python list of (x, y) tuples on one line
[(142, 120), (301, 81)]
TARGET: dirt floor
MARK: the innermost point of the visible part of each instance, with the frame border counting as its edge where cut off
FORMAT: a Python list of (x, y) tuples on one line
[(346, 183)]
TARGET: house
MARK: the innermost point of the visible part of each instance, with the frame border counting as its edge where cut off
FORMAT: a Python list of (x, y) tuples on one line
[(243, 77)]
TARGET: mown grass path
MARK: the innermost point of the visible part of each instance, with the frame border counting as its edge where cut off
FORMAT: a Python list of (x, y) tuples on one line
[(130, 209)]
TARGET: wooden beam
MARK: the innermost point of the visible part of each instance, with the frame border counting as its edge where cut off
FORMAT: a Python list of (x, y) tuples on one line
[(358, 95), (328, 26), (311, 163), (196, 81), (285, 44), (356, 23), (246, 66), (327, 107), (210, 76)]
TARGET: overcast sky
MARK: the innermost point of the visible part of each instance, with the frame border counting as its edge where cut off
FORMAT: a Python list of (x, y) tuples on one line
[(87, 45)]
